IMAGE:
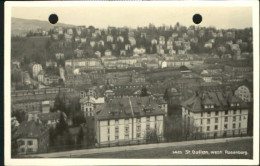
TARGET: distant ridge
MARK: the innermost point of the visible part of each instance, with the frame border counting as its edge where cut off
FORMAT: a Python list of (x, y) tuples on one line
[(21, 26)]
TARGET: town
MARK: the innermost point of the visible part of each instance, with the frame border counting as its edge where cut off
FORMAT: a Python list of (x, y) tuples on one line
[(81, 87)]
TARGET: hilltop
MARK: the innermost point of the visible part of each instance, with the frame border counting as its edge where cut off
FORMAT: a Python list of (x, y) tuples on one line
[(21, 27)]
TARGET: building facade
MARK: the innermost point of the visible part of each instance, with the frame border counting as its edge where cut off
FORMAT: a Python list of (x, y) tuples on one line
[(131, 119), (215, 114)]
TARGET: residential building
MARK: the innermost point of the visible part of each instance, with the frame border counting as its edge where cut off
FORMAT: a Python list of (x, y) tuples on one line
[(245, 92), (89, 104), (215, 113), (36, 68), (59, 56), (127, 119), (108, 53), (33, 137)]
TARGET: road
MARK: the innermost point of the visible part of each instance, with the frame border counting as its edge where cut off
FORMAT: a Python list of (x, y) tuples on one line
[(135, 147)]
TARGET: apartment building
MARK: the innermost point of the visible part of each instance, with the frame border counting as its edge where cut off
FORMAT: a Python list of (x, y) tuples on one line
[(129, 119), (215, 114)]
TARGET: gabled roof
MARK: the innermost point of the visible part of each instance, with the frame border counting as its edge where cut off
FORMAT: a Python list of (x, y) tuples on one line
[(30, 129)]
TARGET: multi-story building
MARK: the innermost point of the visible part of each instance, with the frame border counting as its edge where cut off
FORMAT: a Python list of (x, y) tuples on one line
[(33, 137), (36, 68), (129, 119), (89, 104), (244, 92), (215, 113)]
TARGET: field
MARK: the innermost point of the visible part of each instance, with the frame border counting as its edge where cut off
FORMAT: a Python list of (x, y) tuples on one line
[(195, 151)]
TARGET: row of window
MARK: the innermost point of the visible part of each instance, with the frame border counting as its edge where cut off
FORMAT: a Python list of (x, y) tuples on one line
[(225, 120), (225, 126), (217, 113), (22, 142), (138, 120)]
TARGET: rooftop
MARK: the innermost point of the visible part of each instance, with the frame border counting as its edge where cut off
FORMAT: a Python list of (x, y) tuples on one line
[(129, 107)]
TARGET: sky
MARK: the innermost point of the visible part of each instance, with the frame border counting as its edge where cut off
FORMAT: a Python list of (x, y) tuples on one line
[(102, 17)]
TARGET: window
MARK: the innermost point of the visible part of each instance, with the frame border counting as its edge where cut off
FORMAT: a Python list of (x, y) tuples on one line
[(240, 111), (216, 120), (148, 127), (147, 119), (234, 125), (116, 130), (108, 123), (225, 126), (116, 137), (108, 138), (208, 114), (108, 131), (216, 113), (226, 112), (201, 114), (216, 127), (138, 135), (126, 136), (22, 150), (239, 118), (239, 125), (138, 128), (21, 142), (116, 122), (234, 112), (234, 118), (226, 119), (126, 129), (138, 120), (29, 142), (208, 128), (201, 121), (208, 121)]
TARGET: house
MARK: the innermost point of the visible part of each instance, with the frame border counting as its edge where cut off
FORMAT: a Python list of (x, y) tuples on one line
[(70, 31), (83, 40), (77, 39), (52, 79), (154, 42), (92, 43), (127, 119), (55, 36), (32, 137), (245, 92), (208, 45), (51, 118), (110, 38), (90, 92), (109, 94), (139, 50), (51, 64), (89, 104), (120, 39), (98, 54), (215, 114), (108, 53), (79, 53), (41, 75), (178, 43), (132, 41), (36, 68), (127, 47), (161, 40), (101, 43), (59, 56), (122, 52), (68, 37), (174, 35), (171, 52)]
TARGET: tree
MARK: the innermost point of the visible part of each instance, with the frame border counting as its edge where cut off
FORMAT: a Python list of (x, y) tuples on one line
[(20, 115), (80, 136), (62, 126), (144, 92), (166, 96), (152, 136)]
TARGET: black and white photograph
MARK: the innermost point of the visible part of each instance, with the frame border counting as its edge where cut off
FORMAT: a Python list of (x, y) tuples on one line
[(132, 80)]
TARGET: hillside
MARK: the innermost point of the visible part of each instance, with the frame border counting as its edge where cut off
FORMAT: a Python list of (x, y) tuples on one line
[(21, 26)]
